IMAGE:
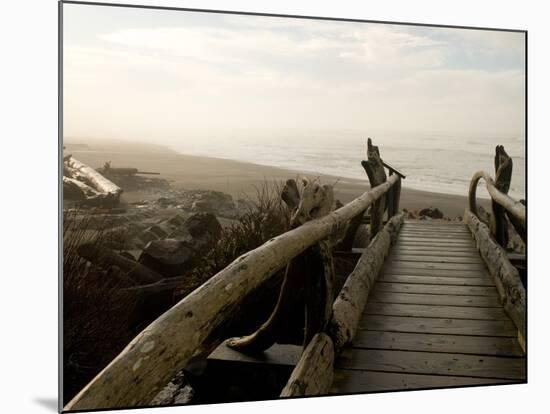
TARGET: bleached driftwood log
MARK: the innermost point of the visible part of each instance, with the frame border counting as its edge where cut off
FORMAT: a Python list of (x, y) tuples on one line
[(75, 189), (162, 349), (351, 301), (315, 370), (506, 276), (374, 168), (108, 191)]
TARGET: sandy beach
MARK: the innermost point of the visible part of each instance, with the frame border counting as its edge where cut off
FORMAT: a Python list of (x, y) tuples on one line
[(237, 178)]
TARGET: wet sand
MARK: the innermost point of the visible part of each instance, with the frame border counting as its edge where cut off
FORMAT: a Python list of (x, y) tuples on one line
[(239, 178)]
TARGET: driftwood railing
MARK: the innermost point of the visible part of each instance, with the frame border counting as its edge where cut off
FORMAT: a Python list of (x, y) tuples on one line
[(162, 349), (492, 238)]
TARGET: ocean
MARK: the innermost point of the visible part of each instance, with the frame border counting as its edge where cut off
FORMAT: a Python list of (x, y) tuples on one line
[(441, 163)]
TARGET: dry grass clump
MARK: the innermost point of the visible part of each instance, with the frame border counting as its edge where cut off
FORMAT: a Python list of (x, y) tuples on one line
[(96, 312), (265, 217)]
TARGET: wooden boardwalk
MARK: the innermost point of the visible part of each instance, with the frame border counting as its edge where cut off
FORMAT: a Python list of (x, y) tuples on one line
[(433, 319)]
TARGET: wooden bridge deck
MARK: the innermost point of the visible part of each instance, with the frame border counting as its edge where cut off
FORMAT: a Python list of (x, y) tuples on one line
[(433, 319)]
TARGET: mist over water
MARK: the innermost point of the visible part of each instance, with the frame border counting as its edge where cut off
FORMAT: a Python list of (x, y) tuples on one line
[(432, 162)]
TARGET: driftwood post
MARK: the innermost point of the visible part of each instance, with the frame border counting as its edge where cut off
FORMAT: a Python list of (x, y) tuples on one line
[(375, 171), (503, 176), (311, 272)]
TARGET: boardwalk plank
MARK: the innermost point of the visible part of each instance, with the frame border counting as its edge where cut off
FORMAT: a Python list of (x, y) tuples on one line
[(384, 286), (405, 257), (463, 344), (413, 362), (427, 311), (437, 272), (449, 300), (392, 264), (420, 252), (435, 280), (503, 328), (353, 381)]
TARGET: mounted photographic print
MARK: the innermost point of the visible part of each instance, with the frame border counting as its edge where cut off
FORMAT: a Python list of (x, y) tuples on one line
[(261, 206)]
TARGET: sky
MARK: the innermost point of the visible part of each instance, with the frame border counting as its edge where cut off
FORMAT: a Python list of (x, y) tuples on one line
[(142, 74)]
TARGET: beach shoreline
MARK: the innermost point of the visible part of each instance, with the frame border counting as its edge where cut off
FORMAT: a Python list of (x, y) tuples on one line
[(241, 179)]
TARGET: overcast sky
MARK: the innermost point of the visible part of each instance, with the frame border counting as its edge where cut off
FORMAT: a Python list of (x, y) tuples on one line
[(138, 73)]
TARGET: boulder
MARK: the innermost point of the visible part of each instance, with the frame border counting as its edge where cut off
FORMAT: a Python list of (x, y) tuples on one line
[(431, 212), (169, 257), (184, 248)]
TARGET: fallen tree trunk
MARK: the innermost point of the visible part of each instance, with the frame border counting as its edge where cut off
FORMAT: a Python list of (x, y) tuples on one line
[(105, 257), (152, 359), (506, 276), (74, 189), (314, 372), (351, 301), (80, 171)]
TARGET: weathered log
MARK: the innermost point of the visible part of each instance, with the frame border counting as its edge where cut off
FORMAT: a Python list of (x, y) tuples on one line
[(74, 189), (109, 190), (319, 289), (503, 176), (396, 196), (513, 207), (351, 301), (506, 276), (518, 225), (163, 348), (347, 243), (374, 168), (314, 372), (105, 257)]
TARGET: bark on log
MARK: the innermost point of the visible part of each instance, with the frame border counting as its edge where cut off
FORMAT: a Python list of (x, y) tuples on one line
[(162, 349), (506, 276), (351, 301), (374, 168), (314, 372), (105, 258)]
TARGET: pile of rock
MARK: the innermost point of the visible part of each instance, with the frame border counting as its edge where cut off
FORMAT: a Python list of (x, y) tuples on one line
[(184, 248)]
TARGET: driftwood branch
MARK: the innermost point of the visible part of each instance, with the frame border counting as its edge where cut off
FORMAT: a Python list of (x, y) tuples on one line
[(314, 372), (163, 348), (351, 301), (506, 276)]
